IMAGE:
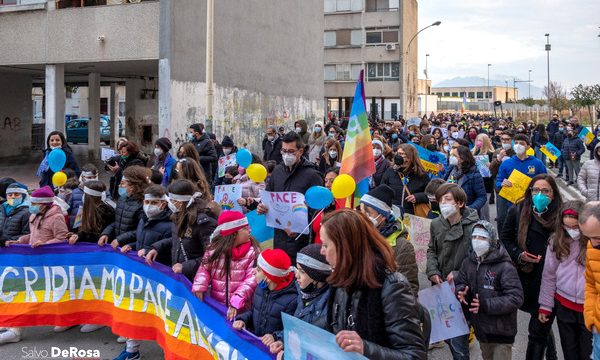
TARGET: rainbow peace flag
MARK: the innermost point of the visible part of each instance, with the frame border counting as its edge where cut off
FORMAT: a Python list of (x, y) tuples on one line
[(463, 106), (586, 136), (357, 159)]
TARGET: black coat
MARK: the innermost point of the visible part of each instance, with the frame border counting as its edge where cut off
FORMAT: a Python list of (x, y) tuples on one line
[(127, 216), (115, 180), (148, 232), (272, 150), (267, 306), (572, 146), (107, 217), (558, 139), (500, 295), (13, 225), (416, 185), (71, 163), (302, 176), (387, 319), (380, 169), (208, 154), (188, 251)]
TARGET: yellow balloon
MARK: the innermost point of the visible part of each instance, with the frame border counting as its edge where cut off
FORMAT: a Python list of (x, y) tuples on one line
[(343, 186), (530, 152), (59, 178), (257, 172)]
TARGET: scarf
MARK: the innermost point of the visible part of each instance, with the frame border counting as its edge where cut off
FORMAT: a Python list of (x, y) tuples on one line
[(546, 219), (240, 251), (44, 166), (455, 174), (8, 208)]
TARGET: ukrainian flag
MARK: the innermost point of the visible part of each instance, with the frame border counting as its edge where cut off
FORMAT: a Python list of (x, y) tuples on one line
[(586, 136)]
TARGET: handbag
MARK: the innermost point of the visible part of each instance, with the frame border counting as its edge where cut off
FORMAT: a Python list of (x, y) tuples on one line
[(420, 210)]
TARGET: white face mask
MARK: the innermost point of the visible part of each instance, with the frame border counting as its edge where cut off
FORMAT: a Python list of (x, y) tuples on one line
[(374, 220), (270, 138), (333, 154), (446, 148), (226, 151), (453, 160), (158, 151), (575, 234), (288, 159), (480, 247), (455, 134), (506, 146), (152, 210), (376, 153), (447, 210), (298, 129), (519, 149)]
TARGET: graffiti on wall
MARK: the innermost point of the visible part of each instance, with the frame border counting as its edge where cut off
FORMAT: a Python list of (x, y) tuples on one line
[(13, 124)]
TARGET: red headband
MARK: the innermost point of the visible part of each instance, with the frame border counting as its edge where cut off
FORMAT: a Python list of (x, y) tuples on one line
[(570, 212)]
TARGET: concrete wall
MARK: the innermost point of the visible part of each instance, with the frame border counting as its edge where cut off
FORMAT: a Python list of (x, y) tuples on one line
[(409, 28), (15, 114)]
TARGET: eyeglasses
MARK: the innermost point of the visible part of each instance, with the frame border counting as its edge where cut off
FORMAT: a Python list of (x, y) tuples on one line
[(536, 191), (505, 139), (290, 152)]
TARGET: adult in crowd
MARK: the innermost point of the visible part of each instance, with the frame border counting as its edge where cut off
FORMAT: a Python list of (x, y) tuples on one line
[(189, 169), (571, 151), (381, 163), (316, 140), (14, 213), (588, 180), (129, 155), (163, 161), (558, 140), (464, 172), (589, 223), (271, 145), (188, 150), (331, 155), (525, 235), (297, 174), (371, 309), (539, 138), (205, 148), (484, 148), (56, 140), (301, 128)]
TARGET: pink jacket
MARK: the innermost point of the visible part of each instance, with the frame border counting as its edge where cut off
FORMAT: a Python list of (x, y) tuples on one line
[(50, 229), (566, 278), (241, 281)]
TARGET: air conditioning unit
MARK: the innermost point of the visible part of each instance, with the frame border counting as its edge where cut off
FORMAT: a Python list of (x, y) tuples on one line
[(390, 47)]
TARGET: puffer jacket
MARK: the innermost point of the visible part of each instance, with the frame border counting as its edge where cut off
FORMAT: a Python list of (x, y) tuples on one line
[(589, 178), (387, 319), (496, 281), (267, 306), (448, 244), (472, 184), (562, 278), (241, 283), (591, 305), (315, 145), (572, 145), (249, 187), (49, 229), (127, 216), (14, 225), (381, 166), (207, 152), (188, 251), (74, 203), (312, 308), (148, 232), (396, 235)]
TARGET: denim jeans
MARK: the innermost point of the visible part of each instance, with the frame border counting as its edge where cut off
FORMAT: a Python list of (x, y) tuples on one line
[(459, 346), (560, 163), (596, 352)]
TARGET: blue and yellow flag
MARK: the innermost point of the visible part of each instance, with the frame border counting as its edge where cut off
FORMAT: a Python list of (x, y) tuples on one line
[(586, 136)]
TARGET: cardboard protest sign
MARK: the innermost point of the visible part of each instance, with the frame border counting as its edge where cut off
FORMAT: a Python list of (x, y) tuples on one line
[(225, 162), (520, 182), (227, 196), (418, 235), (550, 151), (413, 121), (106, 153), (447, 318), (483, 163), (287, 211)]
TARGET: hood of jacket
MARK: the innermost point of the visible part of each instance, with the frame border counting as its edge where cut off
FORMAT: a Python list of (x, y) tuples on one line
[(303, 126), (596, 150), (497, 252)]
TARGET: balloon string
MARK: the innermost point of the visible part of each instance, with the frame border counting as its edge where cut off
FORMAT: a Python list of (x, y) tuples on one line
[(309, 224)]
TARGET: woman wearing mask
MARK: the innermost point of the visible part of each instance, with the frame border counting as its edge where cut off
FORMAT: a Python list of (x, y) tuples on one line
[(56, 140), (335, 133), (163, 162), (450, 238), (301, 128), (563, 284), (316, 141), (464, 172), (331, 156), (588, 180), (471, 135), (484, 150), (189, 169), (129, 155), (444, 146), (381, 163), (188, 150), (14, 213), (408, 179), (525, 235)]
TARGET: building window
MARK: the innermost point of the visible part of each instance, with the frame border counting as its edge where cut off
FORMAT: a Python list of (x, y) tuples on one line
[(342, 72), (382, 36), (342, 38), (329, 38), (383, 71), (461, 94), (454, 94), (480, 94), (447, 94), (330, 74), (332, 6), (382, 5), (488, 94), (471, 95)]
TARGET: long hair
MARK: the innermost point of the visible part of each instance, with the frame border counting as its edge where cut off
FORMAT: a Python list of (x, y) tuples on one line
[(189, 151), (487, 146), (192, 171), (92, 208), (361, 251), (413, 158), (139, 179), (331, 143), (187, 217), (558, 240), (222, 246), (63, 139), (468, 161)]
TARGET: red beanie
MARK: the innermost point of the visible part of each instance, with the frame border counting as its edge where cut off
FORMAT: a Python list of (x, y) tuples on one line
[(277, 266), (230, 222)]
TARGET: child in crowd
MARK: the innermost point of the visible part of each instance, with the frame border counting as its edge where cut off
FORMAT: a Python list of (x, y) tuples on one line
[(563, 283), (89, 172), (313, 290), (228, 265), (430, 190), (97, 213), (14, 213), (276, 293), (488, 285)]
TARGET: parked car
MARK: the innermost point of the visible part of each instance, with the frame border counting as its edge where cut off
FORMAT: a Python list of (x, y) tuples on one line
[(77, 130)]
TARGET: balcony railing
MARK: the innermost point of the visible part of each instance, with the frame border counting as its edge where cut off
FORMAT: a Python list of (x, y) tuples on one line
[(62, 4)]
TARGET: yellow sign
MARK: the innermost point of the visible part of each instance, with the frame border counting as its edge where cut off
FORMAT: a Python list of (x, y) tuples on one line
[(520, 182), (550, 155), (530, 152)]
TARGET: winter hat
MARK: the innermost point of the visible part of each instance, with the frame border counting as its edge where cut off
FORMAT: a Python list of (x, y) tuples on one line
[(379, 199), (227, 142), (277, 266), (43, 195), (318, 123), (482, 232), (378, 142), (164, 143), (17, 188), (229, 222), (313, 263)]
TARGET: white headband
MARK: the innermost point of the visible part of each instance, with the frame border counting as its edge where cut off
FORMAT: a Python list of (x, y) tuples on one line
[(481, 232), (123, 178), (89, 174), (40, 200), (153, 197), (100, 194), (228, 226), (368, 199), (271, 270), (183, 198), (312, 263), (15, 190)]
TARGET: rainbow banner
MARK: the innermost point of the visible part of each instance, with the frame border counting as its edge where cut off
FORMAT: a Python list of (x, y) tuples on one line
[(67, 285), (586, 135), (357, 159)]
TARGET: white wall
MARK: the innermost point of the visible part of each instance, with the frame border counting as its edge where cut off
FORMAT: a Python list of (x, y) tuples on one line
[(16, 116)]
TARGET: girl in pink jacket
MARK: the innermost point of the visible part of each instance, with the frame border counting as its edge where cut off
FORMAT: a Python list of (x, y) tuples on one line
[(563, 284), (228, 265)]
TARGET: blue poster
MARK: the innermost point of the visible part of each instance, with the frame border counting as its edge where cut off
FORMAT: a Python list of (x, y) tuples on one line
[(259, 229), (304, 341)]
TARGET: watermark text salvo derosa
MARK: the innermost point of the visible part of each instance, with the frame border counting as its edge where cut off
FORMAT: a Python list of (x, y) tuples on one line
[(56, 352)]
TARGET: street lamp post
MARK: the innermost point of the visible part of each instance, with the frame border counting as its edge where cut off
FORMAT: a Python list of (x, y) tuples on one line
[(488, 86), (209, 65), (529, 85), (403, 58), (548, 48), (426, 83)]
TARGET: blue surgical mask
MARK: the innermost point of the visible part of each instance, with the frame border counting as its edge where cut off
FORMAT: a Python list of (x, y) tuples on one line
[(190, 136), (541, 202), (122, 192), (34, 209), (14, 202), (394, 136), (263, 284)]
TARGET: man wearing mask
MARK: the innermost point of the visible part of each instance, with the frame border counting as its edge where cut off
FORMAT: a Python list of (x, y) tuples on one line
[(577, 127), (205, 148), (557, 140), (571, 151), (528, 165), (552, 127), (297, 174), (272, 145)]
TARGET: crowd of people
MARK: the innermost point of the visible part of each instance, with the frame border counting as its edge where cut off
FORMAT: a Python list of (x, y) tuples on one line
[(354, 273)]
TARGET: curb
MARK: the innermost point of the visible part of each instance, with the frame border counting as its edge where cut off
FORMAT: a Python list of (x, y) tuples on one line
[(570, 192)]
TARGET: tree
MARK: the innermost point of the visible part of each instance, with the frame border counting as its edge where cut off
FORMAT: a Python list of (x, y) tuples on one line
[(586, 96), (557, 96), (528, 102)]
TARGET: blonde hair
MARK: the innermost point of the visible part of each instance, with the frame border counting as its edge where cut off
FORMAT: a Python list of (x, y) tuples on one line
[(487, 146)]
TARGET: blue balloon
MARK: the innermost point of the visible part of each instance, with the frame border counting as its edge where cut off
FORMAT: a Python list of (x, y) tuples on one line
[(318, 197), (244, 158), (57, 159)]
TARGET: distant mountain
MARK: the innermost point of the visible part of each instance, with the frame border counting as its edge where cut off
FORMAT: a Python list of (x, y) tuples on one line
[(536, 92)]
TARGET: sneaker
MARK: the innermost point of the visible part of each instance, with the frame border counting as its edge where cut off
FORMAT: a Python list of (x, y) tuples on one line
[(437, 345), (9, 336), (125, 355), (88, 328), (121, 339), (59, 329)]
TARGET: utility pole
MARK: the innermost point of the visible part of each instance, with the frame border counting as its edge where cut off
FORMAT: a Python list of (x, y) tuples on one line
[(488, 86), (210, 11), (548, 48), (426, 83)]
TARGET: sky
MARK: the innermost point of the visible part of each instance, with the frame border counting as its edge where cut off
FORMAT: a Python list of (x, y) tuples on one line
[(509, 34)]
